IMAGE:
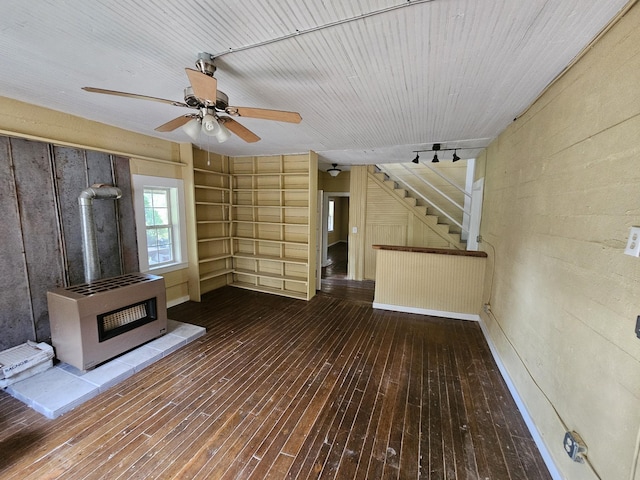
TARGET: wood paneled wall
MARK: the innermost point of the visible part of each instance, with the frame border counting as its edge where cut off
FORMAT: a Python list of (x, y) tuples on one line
[(430, 283), (40, 235)]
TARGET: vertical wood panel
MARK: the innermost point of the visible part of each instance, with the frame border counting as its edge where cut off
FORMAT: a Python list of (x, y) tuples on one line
[(126, 216), (357, 220), (447, 283), (70, 181), (16, 323), (104, 212), (38, 215)]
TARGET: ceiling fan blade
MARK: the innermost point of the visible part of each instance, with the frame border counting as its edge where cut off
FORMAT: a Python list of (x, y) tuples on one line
[(204, 87), (240, 130), (175, 123), (133, 95), (264, 114)]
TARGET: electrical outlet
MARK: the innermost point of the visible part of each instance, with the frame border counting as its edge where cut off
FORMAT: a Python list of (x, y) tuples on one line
[(487, 308), (574, 446), (633, 243), (479, 239), (638, 326)]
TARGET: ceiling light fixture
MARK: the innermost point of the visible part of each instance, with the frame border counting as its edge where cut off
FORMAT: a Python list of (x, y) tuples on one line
[(209, 124), (436, 147), (334, 171), (192, 128)]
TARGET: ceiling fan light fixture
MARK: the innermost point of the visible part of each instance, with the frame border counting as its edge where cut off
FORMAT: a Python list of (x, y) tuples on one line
[(192, 128), (223, 133), (210, 125), (334, 170)]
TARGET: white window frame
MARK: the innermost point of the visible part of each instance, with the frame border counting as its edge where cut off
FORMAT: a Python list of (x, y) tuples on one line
[(179, 224), (331, 215)]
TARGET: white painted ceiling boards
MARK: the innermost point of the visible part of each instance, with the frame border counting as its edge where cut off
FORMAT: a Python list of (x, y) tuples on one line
[(373, 79)]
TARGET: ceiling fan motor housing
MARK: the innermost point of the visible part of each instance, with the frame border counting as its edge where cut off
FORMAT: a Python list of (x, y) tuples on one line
[(222, 101)]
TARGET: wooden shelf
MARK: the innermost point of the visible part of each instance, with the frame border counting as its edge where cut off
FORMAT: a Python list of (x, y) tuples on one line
[(254, 222), (272, 258), (214, 204), (209, 187), (212, 239), (272, 174), (275, 291), (213, 258), (238, 205), (212, 172), (268, 189), (217, 273), (285, 278), (265, 240)]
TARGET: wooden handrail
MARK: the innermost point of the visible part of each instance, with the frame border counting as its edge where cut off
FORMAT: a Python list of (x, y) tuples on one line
[(439, 251)]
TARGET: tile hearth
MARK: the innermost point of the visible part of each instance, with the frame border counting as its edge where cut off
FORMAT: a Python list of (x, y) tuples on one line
[(63, 387)]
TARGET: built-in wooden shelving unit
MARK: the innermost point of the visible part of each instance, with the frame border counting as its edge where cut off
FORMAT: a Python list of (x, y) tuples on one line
[(273, 224), (212, 193)]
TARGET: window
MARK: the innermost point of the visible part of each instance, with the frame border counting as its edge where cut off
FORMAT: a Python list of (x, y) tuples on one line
[(331, 218), (160, 223)]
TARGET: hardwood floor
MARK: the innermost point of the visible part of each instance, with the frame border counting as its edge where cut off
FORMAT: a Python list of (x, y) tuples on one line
[(282, 388)]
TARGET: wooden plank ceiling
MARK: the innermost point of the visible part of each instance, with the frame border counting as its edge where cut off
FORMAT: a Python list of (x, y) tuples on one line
[(372, 79)]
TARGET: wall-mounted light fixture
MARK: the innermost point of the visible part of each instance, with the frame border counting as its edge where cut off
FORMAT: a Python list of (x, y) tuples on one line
[(334, 171), (436, 147)]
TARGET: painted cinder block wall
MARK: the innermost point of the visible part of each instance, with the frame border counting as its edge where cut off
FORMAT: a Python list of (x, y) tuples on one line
[(562, 188)]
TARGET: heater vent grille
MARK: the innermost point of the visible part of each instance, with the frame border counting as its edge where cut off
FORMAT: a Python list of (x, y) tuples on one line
[(107, 284), (123, 317)]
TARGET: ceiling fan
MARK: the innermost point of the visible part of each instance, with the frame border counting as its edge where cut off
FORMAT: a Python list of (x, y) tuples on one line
[(203, 95)]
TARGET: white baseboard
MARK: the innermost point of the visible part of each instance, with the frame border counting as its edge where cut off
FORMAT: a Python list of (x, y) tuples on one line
[(426, 311), (177, 301), (537, 438)]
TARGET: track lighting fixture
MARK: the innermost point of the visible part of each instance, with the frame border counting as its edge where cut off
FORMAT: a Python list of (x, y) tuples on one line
[(334, 170), (436, 147)]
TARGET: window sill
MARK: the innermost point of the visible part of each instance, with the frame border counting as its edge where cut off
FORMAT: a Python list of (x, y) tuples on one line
[(167, 268)]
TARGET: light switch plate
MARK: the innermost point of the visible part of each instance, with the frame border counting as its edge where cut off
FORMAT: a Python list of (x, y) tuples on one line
[(633, 243)]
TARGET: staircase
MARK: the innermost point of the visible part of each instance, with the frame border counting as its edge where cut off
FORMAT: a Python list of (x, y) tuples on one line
[(436, 221)]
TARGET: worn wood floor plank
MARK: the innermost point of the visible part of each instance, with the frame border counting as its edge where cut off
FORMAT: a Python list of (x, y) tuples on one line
[(281, 388)]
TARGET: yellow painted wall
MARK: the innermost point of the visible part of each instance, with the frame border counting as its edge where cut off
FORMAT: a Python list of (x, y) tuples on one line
[(334, 184), (562, 188)]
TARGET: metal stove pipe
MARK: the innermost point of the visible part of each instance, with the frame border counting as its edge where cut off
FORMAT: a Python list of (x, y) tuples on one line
[(87, 225)]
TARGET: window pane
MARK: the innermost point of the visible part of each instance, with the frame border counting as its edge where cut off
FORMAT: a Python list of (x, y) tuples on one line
[(160, 198), (152, 239), (331, 215), (164, 236)]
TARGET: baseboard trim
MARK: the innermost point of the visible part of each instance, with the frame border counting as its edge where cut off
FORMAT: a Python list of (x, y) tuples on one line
[(177, 301), (426, 311), (537, 438)]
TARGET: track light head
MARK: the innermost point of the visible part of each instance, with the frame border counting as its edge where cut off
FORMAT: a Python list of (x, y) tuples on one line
[(417, 159), (435, 158), (455, 157)]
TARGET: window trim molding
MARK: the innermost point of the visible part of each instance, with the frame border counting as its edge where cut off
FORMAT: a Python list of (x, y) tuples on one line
[(138, 184)]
